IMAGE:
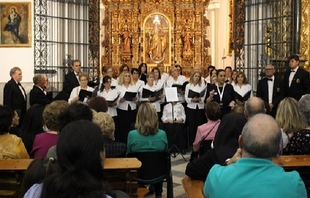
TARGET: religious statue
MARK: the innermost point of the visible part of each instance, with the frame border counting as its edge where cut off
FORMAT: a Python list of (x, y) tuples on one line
[(158, 44), (126, 35), (187, 39)]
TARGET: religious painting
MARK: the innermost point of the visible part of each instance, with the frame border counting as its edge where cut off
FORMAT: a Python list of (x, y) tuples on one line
[(15, 24), (157, 46)]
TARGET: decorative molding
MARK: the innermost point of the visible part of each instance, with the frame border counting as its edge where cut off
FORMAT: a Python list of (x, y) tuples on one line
[(305, 33)]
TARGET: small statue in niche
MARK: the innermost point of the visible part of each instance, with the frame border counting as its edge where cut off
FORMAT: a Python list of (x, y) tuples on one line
[(158, 43), (187, 38), (126, 36)]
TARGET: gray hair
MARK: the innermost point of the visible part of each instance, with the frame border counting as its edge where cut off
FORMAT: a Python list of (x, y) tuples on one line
[(37, 78), (304, 108), (13, 70), (253, 106), (261, 141)]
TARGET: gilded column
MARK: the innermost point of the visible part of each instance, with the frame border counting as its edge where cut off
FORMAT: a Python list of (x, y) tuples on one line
[(305, 32)]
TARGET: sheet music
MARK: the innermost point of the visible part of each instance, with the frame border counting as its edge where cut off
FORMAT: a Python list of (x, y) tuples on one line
[(171, 94)]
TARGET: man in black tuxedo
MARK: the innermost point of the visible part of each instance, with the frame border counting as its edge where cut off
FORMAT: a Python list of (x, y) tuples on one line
[(14, 94), (270, 90), (39, 94), (72, 78), (296, 80)]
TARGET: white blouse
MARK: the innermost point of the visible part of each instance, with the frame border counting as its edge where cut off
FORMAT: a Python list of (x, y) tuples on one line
[(121, 89), (156, 104), (75, 92), (245, 88), (110, 95), (198, 89), (178, 112)]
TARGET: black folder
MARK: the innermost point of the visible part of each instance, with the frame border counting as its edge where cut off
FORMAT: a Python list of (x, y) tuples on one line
[(129, 95), (148, 93), (193, 94), (243, 98), (83, 94), (112, 102)]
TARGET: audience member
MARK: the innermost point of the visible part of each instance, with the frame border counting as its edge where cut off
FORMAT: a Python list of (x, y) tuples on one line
[(11, 146), (270, 89), (15, 122), (299, 143), (14, 94), (147, 136), (74, 112), (296, 79), (32, 125), (289, 119), (98, 104), (208, 130), (44, 141), (225, 140), (254, 174), (77, 95), (37, 171), (80, 151), (40, 94), (107, 126)]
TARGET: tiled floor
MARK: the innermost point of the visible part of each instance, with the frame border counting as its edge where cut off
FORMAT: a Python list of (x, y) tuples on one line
[(178, 166)]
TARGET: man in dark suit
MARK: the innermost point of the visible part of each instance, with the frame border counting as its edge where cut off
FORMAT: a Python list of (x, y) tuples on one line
[(39, 94), (296, 80), (14, 94), (72, 78), (270, 90)]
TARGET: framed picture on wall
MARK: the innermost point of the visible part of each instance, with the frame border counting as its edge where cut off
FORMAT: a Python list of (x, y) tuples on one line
[(15, 24)]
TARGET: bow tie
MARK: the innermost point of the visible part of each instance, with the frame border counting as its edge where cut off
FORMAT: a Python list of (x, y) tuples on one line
[(270, 79), (292, 70)]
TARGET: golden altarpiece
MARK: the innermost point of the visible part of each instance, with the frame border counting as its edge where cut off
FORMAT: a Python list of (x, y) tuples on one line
[(155, 31)]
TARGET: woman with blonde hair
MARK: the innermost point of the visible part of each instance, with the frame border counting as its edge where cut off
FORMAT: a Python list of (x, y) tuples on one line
[(289, 119), (242, 89), (147, 137), (126, 110)]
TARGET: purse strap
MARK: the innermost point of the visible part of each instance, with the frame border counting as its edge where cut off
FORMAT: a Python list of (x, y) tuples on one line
[(210, 130)]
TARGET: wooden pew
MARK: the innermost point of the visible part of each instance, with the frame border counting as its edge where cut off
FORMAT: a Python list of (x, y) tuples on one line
[(118, 171), (193, 188)]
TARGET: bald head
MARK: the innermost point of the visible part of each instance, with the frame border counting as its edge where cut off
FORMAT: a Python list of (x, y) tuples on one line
[(258, 140), (253, 106)]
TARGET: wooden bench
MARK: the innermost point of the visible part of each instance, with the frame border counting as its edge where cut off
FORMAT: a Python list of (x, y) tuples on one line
[(118, 171)]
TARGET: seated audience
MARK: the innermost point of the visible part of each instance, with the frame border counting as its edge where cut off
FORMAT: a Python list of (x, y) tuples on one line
[(147, 137), (107, 126), (81, 154), (37, 171), (11, 146), (74, 112), (32, 125), (225, 140), (174, 125), (15, 122), (289, 119), (254, 174), (299, 143), (98, 104), (44, 141), (208, 130)]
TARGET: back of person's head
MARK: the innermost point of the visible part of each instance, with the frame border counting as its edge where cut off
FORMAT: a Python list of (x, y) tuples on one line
[(74, 112), (106, 124), (98, 103), (32, 125), (51, 114), (147, 119), (304, 108), (6, 118), (238, 109), (288, 116), (213, 110), (253, 106), (258, 140), (38, 170), (80, 152)]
